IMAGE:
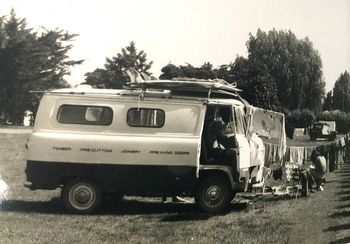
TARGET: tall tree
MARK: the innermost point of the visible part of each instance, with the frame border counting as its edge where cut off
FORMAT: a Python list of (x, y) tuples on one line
[(293, 64), (328, 102), (259, 87), (113, 75), (280, 73), (29, 61), (341, 93)]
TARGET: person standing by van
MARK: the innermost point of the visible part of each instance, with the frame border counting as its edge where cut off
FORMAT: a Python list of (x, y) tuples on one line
[(319, 173)]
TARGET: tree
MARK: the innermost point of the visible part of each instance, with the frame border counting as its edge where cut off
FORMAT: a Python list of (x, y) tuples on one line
[(206, 71), (300, 119), (280, 73), (114, 73), (226, 71), (170, 71), (30, 61), (328, 102), (258, 86), (293, 64), (341, 93)]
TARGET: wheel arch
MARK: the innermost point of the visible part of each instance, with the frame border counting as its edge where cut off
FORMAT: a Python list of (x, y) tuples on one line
[(218, 171), (66, 179)]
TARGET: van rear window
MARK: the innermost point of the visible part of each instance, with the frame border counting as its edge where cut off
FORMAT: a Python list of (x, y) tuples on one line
[(145, 117), (86, 115)]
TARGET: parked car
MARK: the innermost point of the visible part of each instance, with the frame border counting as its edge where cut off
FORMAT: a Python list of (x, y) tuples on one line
[(322, 129)]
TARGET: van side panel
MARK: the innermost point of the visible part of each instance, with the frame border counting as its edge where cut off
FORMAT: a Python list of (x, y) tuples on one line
[(132, 179), (113, 148), (120, 157)]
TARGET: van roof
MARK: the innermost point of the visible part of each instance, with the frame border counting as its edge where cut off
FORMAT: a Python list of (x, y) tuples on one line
[(185, 88)]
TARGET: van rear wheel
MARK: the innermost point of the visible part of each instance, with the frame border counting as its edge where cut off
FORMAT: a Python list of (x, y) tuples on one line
[(81, 196), (213, 195)]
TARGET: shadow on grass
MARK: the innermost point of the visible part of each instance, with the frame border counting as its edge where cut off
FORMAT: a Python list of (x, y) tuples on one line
[(344, 182), (341, 214), (345, 177), (343, 174), (343, 206), (134, 207), (184, 211), (344, 186), (338, 227), (48, 207), (345, 198), (180, 211), (344, 240), (198, 216), (187, 217), (270, 198), (342, 192)]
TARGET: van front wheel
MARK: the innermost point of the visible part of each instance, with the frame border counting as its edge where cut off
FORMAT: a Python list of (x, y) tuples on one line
[(81, 196), (213, 195)]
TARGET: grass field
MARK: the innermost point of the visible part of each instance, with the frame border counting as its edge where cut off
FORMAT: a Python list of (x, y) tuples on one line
[(38, 216)]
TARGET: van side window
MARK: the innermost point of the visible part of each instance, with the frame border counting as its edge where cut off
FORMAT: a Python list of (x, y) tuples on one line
[(86, 115), (145, 117)]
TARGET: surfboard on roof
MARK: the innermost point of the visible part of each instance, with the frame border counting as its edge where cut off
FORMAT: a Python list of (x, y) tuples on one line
[(189, 85)]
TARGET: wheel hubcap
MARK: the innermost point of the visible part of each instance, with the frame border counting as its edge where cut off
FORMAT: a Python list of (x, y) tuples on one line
[(82, 196), (213, 195)]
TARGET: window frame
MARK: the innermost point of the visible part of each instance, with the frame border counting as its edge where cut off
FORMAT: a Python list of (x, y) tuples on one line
[(145, 126), (86, 122)]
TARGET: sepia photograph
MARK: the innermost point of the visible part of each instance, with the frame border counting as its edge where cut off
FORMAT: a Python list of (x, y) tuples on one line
[(169, 121)]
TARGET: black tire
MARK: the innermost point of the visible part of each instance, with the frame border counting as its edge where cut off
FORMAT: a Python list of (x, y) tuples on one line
[(304, 185), (118, 198), (332, 137), (115, 197), (213, 195), (233, 194), (81, 196)]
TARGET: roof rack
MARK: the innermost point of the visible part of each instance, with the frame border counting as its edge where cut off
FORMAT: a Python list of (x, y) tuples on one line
[(190, 87), (179, 87), (187, 84)]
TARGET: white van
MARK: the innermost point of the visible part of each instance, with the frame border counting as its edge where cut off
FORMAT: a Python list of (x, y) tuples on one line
[(147, 140)]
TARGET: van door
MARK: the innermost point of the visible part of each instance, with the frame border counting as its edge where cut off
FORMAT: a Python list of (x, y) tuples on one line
[(241, 139)]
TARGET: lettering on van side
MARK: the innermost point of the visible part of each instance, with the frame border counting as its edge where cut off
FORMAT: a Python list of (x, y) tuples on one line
[(57, 148), (130, 151), (170, 152), (161, 152), (96, 150), (181, 153)]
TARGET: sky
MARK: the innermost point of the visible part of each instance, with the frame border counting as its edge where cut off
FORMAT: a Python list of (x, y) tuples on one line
[(188, 31)]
